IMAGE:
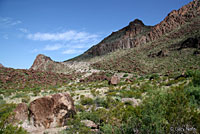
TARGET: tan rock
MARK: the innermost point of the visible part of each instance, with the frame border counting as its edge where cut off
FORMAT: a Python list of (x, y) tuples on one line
[(114, 80), (21, 112), (89, 124)]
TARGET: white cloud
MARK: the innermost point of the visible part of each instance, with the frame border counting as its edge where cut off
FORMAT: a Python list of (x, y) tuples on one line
[(67, 42), (53, 47), (70, 35), (72, 51), (24, 30), (8, 22)]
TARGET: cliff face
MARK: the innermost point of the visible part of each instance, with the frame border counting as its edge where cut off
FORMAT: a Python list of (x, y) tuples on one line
[(44, 63), (122, 39), (136, 33)]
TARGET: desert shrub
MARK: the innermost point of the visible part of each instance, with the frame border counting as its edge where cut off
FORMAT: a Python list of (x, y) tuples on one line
[(26, 99), (87, 101), (19, 95), (76, 127), (195, 74), (154, 76), (125, 75), (93, 116), (194, 94), (161, 112), (79, 108), (106, 129), (127, 94), (100, 102), (6, 120)]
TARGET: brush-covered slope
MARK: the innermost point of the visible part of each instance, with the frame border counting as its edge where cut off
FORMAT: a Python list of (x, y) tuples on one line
[(27, 79), (171, 45)]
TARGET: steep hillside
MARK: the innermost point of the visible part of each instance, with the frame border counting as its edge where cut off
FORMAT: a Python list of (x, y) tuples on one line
[(171, 45), (137, 34), (177, 51)]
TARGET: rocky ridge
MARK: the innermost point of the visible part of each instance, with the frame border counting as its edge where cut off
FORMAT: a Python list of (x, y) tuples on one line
[(177, 23), (136, 33)]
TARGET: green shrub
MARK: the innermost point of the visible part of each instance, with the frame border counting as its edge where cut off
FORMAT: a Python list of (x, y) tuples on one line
[(80, 108), (194, 94), (87, 101), (125, 75), (100, 102), (76, 127), (127, 94), (93, 116), (160, 112), (106, 129), (6, 120), (195, 74)]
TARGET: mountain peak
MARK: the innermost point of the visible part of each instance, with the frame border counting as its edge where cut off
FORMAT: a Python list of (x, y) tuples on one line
[(45, 63), (41, 56), (40, 61), (136, 22)]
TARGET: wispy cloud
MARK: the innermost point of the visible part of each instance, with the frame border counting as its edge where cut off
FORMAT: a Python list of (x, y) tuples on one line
[(72, 51), (53, 47), (23, 30), (67, 42), (8, 22), (70, 35)]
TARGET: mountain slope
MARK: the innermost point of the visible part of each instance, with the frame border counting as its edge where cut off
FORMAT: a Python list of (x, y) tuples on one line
[(136, 33), (143, 49)]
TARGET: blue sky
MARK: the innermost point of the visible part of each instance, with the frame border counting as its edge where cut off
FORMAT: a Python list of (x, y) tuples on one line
[(63, 29)]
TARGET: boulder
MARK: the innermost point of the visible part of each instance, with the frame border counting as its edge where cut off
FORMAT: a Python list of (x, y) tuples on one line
[(51, 111), (114, 80), (89, 123), (21, 112), (134, 102)]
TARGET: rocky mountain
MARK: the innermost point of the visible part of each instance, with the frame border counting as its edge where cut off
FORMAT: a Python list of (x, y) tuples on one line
[(137, 47), (44, 63), (137, 34)]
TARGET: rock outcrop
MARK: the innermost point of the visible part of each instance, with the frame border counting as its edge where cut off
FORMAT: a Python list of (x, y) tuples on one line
[(190, 43), (21, 112), (51, 111), (44, 63), (122, 39)]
